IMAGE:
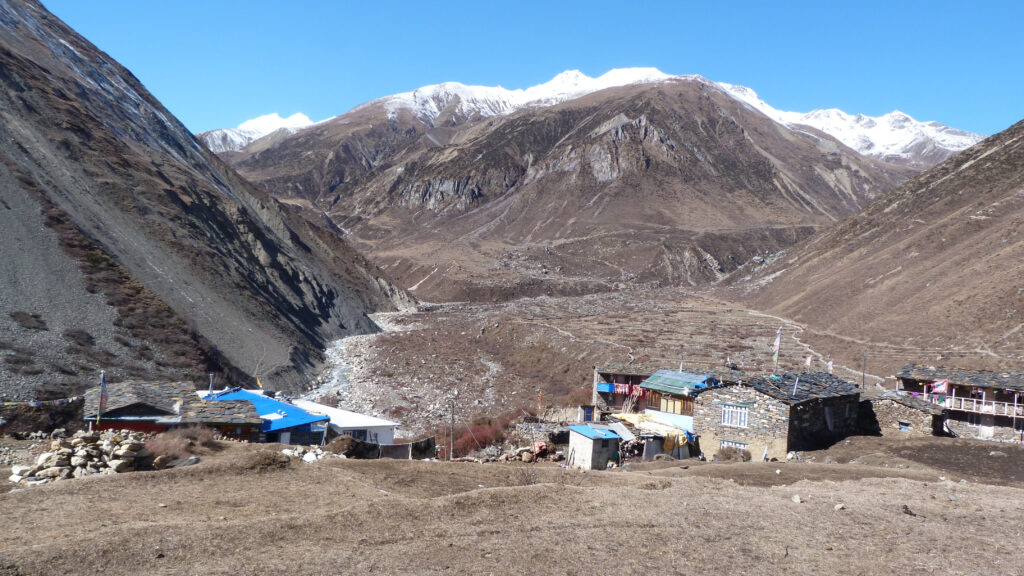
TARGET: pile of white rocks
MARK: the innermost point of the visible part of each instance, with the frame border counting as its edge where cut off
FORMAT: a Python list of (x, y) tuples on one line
[(310, 454), (84, 454)]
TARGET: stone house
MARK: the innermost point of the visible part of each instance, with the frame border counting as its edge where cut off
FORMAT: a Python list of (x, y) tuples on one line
[(980, 403), (775, 414), (592, 448), (159, 406), (896, 413)]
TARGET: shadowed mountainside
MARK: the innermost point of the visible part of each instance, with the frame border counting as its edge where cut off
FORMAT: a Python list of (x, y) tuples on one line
[(128, 246)]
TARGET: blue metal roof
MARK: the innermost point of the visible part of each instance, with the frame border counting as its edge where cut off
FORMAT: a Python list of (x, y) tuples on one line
[(276, 415), (594, 433)]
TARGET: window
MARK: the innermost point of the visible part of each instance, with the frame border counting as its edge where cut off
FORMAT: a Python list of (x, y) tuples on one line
[(604, 443), (734, 415), (673, 405), (734, 444)]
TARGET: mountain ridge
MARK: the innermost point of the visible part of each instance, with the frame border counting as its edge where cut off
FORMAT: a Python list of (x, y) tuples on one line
[(894, 136)]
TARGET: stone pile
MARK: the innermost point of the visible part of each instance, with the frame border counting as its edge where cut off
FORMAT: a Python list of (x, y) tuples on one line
[(84, 454), (310, 454)]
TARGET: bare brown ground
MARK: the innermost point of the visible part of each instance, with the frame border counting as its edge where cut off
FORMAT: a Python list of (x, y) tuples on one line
[(225, 516), (499, 356)]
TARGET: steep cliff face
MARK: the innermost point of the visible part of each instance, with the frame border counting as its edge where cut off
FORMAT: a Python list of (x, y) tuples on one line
[(668, 182), (934, 266), (159, 260)]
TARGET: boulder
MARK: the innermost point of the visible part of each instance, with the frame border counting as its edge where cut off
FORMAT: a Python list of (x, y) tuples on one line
[(21, 470), (527, 456), (161, 462), (52, 472), (15, 478), (79, 461), (119, 465), (43, 458), (123, 454), (309, 457)]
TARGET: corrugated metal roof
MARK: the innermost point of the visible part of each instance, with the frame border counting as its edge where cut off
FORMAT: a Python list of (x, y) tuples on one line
[(344, 418), (594, 433), (681, 383), (276, 415)]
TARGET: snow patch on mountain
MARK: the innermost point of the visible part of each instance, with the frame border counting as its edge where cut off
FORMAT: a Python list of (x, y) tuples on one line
[(231, 139), (429, 101), (892, 135)]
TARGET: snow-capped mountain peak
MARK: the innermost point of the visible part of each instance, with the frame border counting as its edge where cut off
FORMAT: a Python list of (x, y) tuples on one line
[(895, 135), (428, 102), (230, 139), (268, 123)]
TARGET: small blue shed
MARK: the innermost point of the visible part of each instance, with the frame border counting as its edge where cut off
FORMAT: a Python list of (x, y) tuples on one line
[(591, 448)]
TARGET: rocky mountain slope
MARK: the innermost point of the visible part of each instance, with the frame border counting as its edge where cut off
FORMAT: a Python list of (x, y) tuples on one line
[(566, 189), (127, 246), (935, 265)]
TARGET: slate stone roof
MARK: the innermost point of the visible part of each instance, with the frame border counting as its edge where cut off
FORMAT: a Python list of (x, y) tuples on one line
[(1004, 379), (223, 412), (160, 396), (910, 402), (812, 386)]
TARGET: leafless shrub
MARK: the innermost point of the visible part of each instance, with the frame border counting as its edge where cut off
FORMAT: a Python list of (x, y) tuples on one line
[(28, 321), (733, 455), (524, 475), (79, 337), (265, 461)]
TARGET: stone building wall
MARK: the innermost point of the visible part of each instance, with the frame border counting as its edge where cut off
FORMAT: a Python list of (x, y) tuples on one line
[(889, 414), (809, 421), (767, 421)]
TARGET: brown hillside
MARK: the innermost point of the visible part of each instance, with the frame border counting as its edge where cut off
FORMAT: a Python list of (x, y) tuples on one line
[(671, 183), (934, 266)]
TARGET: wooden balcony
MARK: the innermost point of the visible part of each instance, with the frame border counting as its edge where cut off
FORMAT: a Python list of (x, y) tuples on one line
[(984, 407)]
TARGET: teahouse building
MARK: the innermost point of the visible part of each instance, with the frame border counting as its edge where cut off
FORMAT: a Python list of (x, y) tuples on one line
[(775, 414), (617, 389), (153, 407), (981, 403)]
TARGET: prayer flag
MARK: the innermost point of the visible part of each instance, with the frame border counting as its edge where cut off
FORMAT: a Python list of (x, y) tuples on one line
[(775, 347), (103, 396)]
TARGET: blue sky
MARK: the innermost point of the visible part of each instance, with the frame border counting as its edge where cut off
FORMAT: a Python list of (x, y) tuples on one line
[(217, 63)]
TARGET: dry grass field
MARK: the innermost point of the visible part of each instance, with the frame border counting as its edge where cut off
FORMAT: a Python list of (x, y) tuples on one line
[(238, 512)]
